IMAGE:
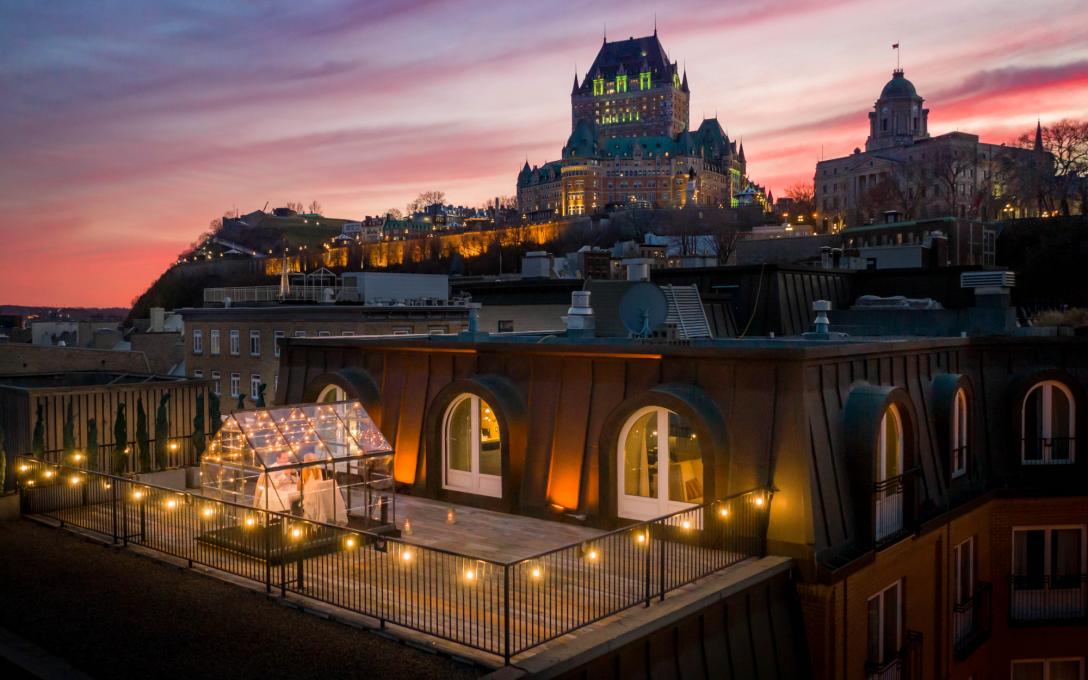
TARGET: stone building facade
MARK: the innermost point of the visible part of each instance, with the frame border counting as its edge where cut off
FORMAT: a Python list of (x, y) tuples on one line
[(905, 169)]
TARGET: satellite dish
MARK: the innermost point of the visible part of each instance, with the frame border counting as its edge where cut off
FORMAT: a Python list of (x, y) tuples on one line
[(643, 309)]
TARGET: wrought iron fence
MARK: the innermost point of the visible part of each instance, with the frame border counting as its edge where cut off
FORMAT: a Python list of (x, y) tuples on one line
[(502, 608), (175, 452), (1048, 598), (905, 664), (971, 620)]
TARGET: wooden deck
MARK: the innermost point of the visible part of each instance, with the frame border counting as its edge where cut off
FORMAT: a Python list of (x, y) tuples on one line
[(414, 583)]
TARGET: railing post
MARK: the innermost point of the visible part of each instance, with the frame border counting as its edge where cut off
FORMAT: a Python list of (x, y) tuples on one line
[(506, 613), (649, 562), (267, 556), (113, 510), (124, 518), (661, 564)]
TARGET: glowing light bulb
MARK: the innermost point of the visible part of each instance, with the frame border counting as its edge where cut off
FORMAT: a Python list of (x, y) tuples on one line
[(73, 480), (640, 537), (77, 457), (349, 542), (723, 512), (685, 525), (171, 504), (296, 533), (250, 521), (592, 555), (137, 495), (24, 467), (207, 512), (536, 573), (759, 501), (470, 575), (406, 555), (48, 474)]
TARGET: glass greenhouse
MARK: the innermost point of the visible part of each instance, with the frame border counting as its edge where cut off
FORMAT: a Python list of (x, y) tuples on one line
[(326, 463)]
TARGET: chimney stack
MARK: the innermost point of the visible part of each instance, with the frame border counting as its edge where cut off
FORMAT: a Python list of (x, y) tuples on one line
[(580, 321)]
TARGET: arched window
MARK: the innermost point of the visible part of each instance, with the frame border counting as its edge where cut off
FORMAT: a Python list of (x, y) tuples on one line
[(888, 490), (331, 394), (660, 465), (1048, 424), (472, 447), (959, 433)]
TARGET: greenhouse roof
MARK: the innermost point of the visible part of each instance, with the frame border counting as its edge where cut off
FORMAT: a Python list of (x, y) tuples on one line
[(291, 436)]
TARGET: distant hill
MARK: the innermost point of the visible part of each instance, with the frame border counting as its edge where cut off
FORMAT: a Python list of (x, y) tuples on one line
[(263, 231), (69, 313)]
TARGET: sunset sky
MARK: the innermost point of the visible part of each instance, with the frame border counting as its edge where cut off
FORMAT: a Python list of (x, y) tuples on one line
[(127, 127)]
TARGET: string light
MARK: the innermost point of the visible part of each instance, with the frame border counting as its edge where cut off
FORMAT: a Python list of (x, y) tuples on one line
[(349, 542), (723, 512), (592, 554), (759, 501), (470, 575), (640, 537), (406, 555), (208, 511), (74, 480), (685, 525), (48, 474), (137, 495), (24, 467), (296, 533), (250, 521), (171, 504), (536, 573)]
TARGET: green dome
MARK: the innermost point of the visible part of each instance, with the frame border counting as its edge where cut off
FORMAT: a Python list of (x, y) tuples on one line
[(898, 86)]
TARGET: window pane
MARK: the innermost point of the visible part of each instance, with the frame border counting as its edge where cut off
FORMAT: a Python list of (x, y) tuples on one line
[(490, 441), (459, 437), (891, 622), (1065, 561), (1027, 670), (640, 457), (892, 444), (1060, 429), (1033, 418), (1028, 557), (685, 462), (1065, 669), (874, 629)]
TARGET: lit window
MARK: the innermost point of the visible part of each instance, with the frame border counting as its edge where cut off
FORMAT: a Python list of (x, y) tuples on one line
[(235, 343), (214, 349), (1048, 424), (649, 487), (235, 384), (959, 434), (216, 387), (472, 447), (888, 490), (254, 343), (254, 386), (198, 342)]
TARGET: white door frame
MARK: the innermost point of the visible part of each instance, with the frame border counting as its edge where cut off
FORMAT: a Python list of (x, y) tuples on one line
[(472, 481), (641, 507)]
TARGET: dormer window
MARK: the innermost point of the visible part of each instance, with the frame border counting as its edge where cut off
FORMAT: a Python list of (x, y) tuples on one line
[(888, 489), (1048, 425), (959, 433)]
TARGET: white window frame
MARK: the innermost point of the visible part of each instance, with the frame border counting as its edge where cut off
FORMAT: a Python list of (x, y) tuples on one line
[(300, 334), (235, 342), (882, 654), (474, 481), (254, 343), (963, 557), (961, 424), (216, 383), (198, 374), (213, 342), (198, 341), (332, 394), (323, 334), (254, 386), (1046, 665), (1048, 542), (235, 384), (276, 335), (347, 334), (1047, 387), (641, 507)]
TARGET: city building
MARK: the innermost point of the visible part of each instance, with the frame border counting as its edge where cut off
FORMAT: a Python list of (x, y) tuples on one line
[(631, 145), (236, 345), (904, 168)]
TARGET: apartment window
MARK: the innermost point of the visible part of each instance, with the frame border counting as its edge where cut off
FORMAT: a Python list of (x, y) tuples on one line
[(216, 386), (963, 589), (348, 334), (254, 343), (885, 627), (959, 433), (402, 330), (276, 342), (505, 326), (254, 386), (235, 384), (323, 334), (198, 374), (198, 342), (300, 334), (235, 343), (1048, 669), (1048, 424), (1048, 577), (214, 340)]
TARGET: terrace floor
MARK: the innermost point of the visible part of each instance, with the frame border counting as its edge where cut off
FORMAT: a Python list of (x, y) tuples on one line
[(485, 534)]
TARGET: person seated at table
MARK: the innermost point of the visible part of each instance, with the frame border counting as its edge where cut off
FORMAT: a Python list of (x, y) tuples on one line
[(277, 490)]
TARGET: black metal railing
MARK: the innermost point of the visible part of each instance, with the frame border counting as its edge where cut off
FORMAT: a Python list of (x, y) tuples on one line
[(175, 452), (892, 501), (1048, 599), (905, 664), (971, 620), (502, 608), (1048, 450)]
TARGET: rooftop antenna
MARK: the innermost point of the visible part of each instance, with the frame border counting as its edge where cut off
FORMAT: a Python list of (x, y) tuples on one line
[(655, 23)]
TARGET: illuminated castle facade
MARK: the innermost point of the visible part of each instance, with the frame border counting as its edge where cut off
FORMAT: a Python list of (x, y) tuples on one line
[(631, 146)]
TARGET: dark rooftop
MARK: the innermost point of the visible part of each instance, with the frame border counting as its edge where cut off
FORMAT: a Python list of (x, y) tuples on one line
[(82, 379)]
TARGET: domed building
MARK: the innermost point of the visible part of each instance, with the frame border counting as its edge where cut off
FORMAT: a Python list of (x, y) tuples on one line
[(906, 171), (630, 144)]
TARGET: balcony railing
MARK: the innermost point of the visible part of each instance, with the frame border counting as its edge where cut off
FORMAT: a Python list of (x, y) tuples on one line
[(971, 620), (905, 664), (891, 509), (501, 608), (131, 458), (1048, 450), (1048, 599)]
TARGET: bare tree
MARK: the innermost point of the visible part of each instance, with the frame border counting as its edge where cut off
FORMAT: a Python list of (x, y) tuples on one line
[(1067, 142), (803, 197), (725, 243), (949, 168), (294, 206), (394, 213), (314, 208), (425, 199)]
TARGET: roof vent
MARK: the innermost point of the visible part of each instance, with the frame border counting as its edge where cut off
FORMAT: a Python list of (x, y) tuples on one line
[(580, 321)]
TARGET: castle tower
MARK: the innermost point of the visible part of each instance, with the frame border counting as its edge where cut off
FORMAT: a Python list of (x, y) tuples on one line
[(897, 118), (632, 89)]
